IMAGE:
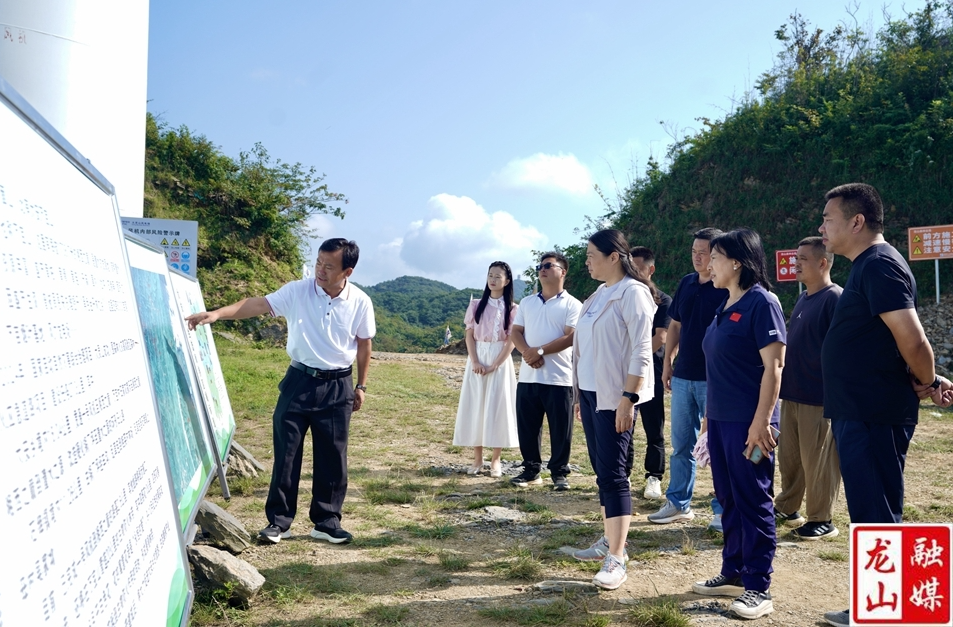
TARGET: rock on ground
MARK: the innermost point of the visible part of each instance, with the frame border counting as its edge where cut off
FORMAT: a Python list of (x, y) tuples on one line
[(219, 569), (222, 528)]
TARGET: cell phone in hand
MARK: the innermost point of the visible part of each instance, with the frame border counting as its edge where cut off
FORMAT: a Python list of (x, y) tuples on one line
[(756, 453)]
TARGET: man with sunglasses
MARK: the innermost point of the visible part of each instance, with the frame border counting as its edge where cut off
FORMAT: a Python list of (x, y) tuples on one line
[(543, 332)]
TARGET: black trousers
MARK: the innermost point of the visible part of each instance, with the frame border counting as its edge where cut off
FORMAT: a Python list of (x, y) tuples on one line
[(532, 401), (653, 423), (324, 406)]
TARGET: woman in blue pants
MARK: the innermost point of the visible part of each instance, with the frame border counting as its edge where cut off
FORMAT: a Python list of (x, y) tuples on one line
[(744, 355)]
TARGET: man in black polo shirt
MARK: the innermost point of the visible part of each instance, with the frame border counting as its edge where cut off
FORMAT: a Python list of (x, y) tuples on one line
[(693, 309), (873, 359)]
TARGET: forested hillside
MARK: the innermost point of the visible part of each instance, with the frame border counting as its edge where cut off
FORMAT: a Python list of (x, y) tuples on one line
[(252, 212), (413, 312), (839, 106)]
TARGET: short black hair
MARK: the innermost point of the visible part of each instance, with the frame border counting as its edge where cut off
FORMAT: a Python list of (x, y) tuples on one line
[(643, 252), (863, 199), (817, 243), (708, 233), (558, 256), (350, 254), (744, 246)]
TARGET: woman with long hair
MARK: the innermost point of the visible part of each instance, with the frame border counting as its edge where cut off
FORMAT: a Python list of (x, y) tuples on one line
[(613, 372), (744, 356), (486, 414)]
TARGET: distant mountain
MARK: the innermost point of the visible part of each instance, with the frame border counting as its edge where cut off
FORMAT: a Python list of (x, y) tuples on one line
[(413, 312)]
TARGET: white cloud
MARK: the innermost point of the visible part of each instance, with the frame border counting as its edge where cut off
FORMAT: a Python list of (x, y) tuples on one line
[(460, 239), (562, 173)]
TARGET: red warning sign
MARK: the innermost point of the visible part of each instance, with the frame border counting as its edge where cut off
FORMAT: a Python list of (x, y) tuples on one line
[(784, 263)]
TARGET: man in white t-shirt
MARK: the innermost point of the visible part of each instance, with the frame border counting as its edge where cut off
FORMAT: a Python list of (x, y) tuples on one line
[(543, 332), (330, 324)]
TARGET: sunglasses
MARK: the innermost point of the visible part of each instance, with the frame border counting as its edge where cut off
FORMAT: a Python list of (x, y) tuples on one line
[(547, 266)]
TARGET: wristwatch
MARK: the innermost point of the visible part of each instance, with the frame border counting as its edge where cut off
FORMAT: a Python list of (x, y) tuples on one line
[(360, 387), (937, 382), (632, 396), (539, 351)]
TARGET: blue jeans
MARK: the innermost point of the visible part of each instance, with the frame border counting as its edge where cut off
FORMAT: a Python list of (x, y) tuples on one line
[(688, 409)]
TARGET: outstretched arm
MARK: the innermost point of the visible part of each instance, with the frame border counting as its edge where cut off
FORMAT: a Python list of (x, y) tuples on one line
[(245, 308)]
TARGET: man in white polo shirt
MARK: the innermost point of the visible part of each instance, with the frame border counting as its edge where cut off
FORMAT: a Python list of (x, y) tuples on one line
[(543, 332), (330, 323)]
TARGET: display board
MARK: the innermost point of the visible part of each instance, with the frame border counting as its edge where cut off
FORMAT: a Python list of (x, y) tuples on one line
[(208, 370), (88, 516), (176, 392), (179, 239)]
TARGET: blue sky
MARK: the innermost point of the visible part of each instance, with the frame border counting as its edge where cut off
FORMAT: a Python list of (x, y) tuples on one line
[(463, 132)]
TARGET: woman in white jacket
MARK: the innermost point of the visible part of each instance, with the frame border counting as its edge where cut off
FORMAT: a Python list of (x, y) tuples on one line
[(613, 372)]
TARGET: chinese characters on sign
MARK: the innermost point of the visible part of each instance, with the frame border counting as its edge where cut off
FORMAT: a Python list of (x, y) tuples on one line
[(178, 238), (930, 242), (900, 574), (784, 262)]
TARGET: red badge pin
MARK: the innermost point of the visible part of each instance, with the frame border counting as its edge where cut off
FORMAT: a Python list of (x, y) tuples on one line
[(735, 317)]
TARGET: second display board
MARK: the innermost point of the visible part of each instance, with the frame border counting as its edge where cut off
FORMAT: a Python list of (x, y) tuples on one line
[(191, 457), (208, 369)]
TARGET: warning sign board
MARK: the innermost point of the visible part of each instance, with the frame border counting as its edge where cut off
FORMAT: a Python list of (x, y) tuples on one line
[(930, 242), (180, 257), (784, 263)]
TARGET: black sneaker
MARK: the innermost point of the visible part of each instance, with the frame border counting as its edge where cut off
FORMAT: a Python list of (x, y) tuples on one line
[(274, 534), (334, 536), (791, 520), (838, 619), (752, 604), (526, 478), (815, 531), (719, 586), (560, 484)]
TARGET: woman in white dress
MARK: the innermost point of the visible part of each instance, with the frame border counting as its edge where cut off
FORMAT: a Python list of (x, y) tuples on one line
[(486, 415)]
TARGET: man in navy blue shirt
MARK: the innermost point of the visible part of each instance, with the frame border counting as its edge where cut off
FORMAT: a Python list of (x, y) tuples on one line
[(693, 309), (807, 457), (877, 363)]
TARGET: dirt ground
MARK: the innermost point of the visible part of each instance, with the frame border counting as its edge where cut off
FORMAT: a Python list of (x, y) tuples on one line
[(399, 568)]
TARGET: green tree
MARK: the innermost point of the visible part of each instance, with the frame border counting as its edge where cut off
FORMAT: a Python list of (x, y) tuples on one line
[(253, 212)]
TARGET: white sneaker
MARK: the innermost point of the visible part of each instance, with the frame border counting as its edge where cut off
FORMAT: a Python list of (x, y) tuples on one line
[(715, 524), (670, 513), (752, 604), (653, 488), (611, 575)]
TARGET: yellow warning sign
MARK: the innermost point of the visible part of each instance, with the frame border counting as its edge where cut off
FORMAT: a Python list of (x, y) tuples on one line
[(916, 239), (185, 242), (784, 261), (917, 251), (175, 242), (165, 242)]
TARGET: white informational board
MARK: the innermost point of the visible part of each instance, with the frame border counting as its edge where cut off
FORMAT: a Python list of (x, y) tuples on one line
[(208, 369), (88, 517), (178, 238), (177, 395)]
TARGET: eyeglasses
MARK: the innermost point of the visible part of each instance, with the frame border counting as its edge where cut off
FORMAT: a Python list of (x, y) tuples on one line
[(547, 266)]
